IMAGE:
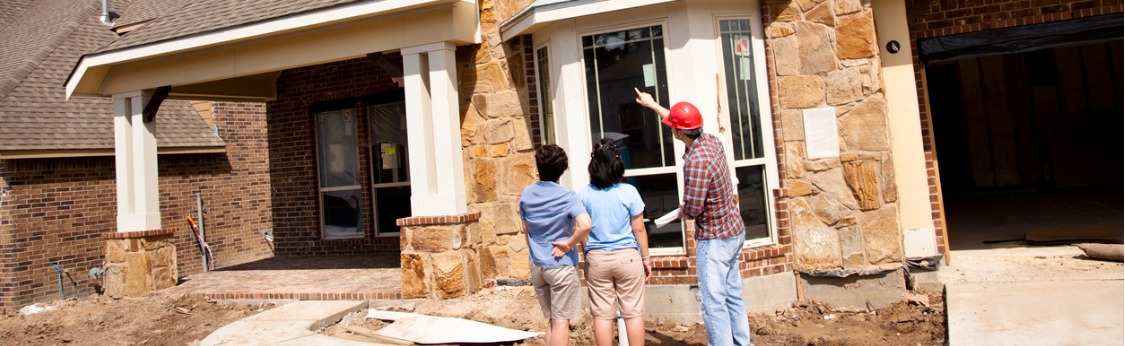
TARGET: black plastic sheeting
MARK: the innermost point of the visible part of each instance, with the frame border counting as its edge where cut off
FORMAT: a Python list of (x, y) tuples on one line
[(1021, 39)]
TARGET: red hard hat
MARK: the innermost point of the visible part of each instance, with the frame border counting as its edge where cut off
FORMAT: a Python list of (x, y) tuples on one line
[(684, 116)]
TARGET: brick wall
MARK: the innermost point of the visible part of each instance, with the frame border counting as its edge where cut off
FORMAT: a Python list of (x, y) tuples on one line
[(293, 161), (56, 210), (941, 18)]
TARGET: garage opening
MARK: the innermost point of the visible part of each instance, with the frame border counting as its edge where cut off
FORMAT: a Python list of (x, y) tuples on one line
[(1029, 141)]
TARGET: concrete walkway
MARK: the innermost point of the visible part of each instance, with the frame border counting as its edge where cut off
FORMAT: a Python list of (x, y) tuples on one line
[(1033, 296), (289, 324)]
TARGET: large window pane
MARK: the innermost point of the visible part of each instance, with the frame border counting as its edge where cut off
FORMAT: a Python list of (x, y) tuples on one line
[(338, 156), (660, 197), (752, 202), (617, 62), (546, 111), (390, 165), (742, 95)]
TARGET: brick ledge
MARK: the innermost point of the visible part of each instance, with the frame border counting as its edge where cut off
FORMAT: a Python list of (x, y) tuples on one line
[(138, 234), (437, 220)]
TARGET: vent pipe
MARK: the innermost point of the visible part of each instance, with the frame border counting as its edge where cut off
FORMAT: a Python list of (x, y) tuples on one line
[(105, 14)]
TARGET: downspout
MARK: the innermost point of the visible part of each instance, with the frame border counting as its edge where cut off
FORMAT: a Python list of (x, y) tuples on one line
[(202, 234)]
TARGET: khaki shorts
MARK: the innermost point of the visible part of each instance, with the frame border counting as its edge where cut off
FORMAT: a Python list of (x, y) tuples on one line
[(557, 289), (616, 282)]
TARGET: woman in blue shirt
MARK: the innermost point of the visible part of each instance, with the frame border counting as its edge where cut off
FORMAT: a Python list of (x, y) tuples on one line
[(617, 263)]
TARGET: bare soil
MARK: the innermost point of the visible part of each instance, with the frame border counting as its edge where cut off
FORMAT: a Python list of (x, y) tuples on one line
[(919, 320), (179, 320)]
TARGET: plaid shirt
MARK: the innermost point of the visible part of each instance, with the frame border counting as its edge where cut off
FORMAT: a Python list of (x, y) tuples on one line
[(708, 194)]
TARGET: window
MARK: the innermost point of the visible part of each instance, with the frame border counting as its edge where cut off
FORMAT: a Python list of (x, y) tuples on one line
[(340, 191), (745, 126), (390, 172), (546, 115), (615, 63)]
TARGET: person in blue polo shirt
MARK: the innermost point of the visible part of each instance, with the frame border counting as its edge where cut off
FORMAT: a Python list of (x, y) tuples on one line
[(555, 222)]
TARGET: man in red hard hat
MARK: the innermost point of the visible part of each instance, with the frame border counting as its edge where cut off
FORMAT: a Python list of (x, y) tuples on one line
[(719, 232)]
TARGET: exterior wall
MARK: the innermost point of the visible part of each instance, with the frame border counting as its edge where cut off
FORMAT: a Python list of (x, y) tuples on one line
[(843, 210), (942, 18), (293, 162), (55, 210)]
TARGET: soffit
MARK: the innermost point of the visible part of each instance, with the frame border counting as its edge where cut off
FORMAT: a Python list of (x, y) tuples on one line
[(544, 12)]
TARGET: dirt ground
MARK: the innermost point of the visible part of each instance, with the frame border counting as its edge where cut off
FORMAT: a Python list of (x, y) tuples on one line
[(166, 320), (918, 321)]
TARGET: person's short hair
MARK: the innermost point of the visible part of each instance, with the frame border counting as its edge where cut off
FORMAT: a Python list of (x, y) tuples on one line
[(693, 133), (551, 162), (606, 167)]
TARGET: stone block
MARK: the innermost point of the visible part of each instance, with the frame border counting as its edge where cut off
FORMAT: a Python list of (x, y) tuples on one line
[(115, 279), (887, 170), (882, 236), (449, 274), (815, 245), (861, 178), (864, 127), (843, 7), (787, 55), (832, 183), (808, 4), (138, 274), (470, 123), (794, 160), (473, 280), (844, 86), (823, 164), (779, 29), (790, 12), (115, 250), (163, 277), (798, 187), (828, 209), (484, 179), (851, 247), (818, 55), (799, 92), (415, 283), (519, 172), (792, 125), (855, 36), (494, 262), (494, 131), (822, 14), (522, 141), (504, 103), (485, 78), (435, 239)]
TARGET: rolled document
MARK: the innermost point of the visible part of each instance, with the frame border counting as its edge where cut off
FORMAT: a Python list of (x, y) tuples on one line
[(667, 218)]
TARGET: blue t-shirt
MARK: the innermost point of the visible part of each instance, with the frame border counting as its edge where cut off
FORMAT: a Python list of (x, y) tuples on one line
[(549, 210), (612, 210)]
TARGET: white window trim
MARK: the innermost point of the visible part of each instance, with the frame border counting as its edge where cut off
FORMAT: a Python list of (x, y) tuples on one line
[(319, 180), (544, 100)]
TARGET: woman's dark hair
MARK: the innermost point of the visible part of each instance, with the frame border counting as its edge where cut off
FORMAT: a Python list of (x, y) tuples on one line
[(551, 161), (606, 167)]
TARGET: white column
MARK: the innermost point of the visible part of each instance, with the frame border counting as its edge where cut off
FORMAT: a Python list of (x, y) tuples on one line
[(904, 122), (437, 175), (138, 193)]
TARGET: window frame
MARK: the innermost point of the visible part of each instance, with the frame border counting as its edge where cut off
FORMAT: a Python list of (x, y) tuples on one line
[(315, 111), (368, 102)]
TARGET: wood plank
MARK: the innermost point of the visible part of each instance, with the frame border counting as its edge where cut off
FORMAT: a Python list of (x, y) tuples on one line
[(1000, 132), (1015, 73), (1099, 82), (1071, 84), (976, 124)]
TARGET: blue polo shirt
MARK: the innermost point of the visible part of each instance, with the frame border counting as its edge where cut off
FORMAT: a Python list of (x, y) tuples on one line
[(549, 210), (612, 209)]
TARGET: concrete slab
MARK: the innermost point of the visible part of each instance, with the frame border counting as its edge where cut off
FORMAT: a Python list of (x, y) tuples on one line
[(855, 291), (285, 323), (1035, 313)]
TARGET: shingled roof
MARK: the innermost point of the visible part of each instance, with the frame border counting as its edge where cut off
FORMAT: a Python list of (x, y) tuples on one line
[(40, 41), (202, 16)]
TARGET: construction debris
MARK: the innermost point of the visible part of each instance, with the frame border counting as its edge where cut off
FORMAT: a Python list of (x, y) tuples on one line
[(420, 329)]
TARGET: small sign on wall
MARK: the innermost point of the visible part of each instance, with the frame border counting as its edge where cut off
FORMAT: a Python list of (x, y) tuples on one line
[(822, 139)]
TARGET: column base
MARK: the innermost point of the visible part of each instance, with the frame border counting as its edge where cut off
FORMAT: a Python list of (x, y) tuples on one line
[(439, 256), (137, 263)]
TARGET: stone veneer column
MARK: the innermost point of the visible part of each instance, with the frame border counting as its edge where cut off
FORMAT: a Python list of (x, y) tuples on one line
[(139, 262), (439, 256)]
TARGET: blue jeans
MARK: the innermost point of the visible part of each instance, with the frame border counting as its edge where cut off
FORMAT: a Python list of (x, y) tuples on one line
[(720, 287)]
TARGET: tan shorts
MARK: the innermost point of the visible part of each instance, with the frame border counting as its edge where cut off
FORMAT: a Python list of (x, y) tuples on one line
[(557, 289), (615, 281)]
